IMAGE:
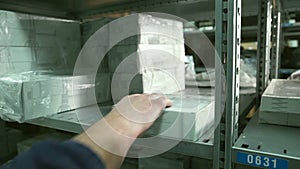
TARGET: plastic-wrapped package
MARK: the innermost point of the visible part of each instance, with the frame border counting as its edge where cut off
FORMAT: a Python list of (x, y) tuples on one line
[(153, 61), (280, 103), (295, 75), (30, 95), (165, 81), (190, 117), (247, 76), (31, 43), (150, 30)]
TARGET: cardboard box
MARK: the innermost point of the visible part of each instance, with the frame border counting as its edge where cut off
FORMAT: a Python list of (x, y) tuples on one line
[(189, 118), (28, 96)]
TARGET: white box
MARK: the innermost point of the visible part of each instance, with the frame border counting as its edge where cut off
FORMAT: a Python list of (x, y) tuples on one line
[(189, 118), (28, 96), (280, 103), (29, 30), (36, 58), (152, 30), (23, 37), (137, 58), (280, 118), (10, 68), (16, 20), (165, 81), (282, 96)]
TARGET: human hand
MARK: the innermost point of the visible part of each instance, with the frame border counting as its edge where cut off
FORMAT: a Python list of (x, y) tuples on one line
[(113, 135), (136, 113)]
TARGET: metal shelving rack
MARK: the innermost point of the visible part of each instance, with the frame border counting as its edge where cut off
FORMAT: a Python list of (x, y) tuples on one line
[(227, 14), (265, 145), (228, 41)]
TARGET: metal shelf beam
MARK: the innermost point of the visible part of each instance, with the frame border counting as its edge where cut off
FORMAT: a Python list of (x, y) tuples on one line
[(270, 140), (69, 122)]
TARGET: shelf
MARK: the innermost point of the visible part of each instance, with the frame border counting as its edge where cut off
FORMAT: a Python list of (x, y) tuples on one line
[(69, 122), (281, 142)]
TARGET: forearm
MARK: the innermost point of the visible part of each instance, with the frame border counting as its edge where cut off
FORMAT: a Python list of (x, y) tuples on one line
[(111, 137), (109, 140)]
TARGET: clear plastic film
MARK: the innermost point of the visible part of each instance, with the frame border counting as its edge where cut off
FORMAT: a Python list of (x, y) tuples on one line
[(30, 95), (247, 75), (32, 43)]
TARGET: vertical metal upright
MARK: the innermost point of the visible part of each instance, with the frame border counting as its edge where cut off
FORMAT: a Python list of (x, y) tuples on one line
[(276, 39), (227, 43), (264, 46)]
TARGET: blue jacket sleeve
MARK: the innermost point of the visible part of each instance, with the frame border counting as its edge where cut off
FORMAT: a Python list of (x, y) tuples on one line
[(57, 155)]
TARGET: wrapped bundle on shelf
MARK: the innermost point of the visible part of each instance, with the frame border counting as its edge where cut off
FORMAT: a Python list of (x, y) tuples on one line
[(189, 118), (29, 95), (280, 103), (31, 42)]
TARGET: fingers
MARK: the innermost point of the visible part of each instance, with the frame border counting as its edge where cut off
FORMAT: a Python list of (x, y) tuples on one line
[(162, 99)]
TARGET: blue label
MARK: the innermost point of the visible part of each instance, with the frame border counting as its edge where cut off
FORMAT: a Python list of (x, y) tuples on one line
[(261, 161)]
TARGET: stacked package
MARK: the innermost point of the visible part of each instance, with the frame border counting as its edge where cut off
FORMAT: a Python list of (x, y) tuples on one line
[(27, 95), (280, 103), (36, 43), (150, 59), (189, 118)]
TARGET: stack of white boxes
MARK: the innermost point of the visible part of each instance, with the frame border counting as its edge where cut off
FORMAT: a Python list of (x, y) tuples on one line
[(280, 103), (37, 57), (152, 60), (26, 96), (35, 43)]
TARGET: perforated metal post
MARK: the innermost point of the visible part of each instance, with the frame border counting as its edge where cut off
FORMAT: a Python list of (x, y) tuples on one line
[(264, 46), (276, 39), (228, 38)]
